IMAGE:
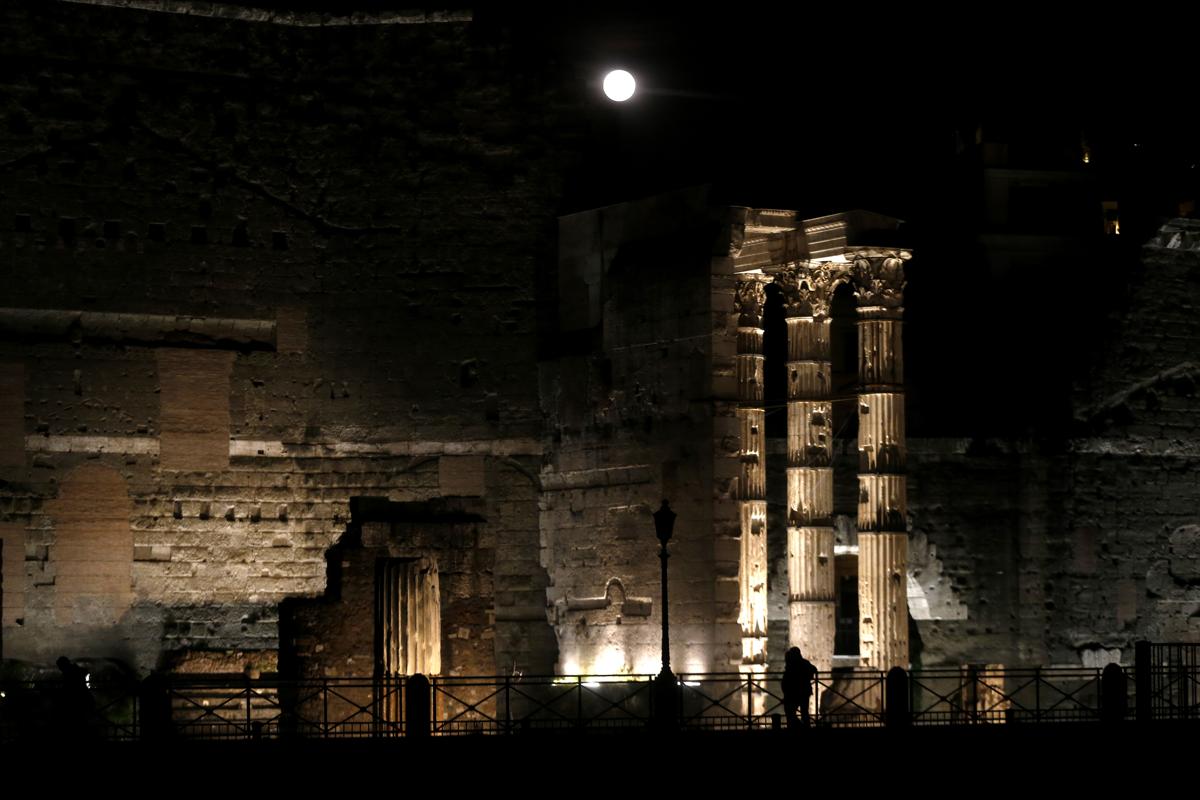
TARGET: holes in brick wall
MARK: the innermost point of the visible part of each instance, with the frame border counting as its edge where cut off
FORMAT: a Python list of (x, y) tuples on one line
[(23, 223), (157, 232), (279, 240), (241, 236), (66, 228), (129, 171), (199, 234), (225, 124), (112, 229), (19, 124), (468, 373), (205, 209)]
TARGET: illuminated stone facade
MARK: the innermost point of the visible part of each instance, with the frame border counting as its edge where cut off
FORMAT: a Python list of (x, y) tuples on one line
[(711, 324), (749, 297)]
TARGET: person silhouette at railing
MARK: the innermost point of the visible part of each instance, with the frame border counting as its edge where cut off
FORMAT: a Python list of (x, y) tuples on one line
[(154, 698), (798, 676), (76, 698)]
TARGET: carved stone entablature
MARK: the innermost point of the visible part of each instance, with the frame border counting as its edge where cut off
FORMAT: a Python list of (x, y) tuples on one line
[(808, 288), (789, 245), (748, 300), (879, 277)]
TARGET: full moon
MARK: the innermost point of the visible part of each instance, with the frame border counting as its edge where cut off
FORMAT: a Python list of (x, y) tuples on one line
[(619, 85)]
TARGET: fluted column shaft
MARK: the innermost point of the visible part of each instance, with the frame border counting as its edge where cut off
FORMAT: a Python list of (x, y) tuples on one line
[(811, 618), (752, 483), (882, 486)]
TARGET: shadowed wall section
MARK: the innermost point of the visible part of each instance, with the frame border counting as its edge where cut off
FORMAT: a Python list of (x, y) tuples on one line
[(92, 553), (12, 415), (194, 386)]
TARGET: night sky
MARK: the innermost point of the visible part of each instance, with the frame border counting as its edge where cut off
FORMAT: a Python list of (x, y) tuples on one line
[(838, 109), (813, 110), (816, 108)]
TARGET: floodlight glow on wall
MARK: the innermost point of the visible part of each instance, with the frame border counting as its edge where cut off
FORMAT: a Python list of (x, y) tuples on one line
[(619, 85)]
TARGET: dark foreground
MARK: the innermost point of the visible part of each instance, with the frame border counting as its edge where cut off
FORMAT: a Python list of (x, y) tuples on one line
[(933, 762)]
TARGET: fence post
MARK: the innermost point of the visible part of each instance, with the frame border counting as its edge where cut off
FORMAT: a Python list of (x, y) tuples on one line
[(1037, 694), (1142, 681), (1114, 694), (508, 720), (816, 698), (1184, 663), (897, 712), (417, 720), (650, 701), (749, 701)]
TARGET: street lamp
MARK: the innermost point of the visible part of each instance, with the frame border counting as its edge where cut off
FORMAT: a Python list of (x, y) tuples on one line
[(666, 687)]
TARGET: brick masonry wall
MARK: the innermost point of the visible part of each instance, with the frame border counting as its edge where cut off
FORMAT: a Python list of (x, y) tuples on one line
[(630, 420), (375, 199), (1068, 552)]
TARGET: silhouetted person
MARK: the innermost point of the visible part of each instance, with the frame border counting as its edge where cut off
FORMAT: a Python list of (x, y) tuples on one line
[(76, 697), (798, 676), (155, 712)]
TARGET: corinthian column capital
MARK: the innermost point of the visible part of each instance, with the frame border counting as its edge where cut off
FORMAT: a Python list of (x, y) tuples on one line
[(808, 288), (878, 277), (748, 299)]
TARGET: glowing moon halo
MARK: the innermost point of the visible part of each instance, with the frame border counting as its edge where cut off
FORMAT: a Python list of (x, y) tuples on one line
[(619, 85)]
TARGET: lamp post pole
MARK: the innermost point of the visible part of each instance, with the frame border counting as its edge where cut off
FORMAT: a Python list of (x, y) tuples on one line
[(666, 686)]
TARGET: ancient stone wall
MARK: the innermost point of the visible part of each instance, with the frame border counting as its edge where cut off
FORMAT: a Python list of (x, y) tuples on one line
[(1068, 552), (336, 635), (630, 422), (1129, 557), (253, 271)]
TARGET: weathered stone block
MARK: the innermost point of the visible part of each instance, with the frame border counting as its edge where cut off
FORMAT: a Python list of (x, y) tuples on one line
[(156, 552), (462, 476)]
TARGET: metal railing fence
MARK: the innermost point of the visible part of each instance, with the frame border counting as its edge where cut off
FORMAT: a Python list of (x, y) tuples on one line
[(238, 707)]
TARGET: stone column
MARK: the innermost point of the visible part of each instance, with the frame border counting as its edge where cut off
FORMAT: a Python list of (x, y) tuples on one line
[(752, 483), (808, 290), (882, 488)]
